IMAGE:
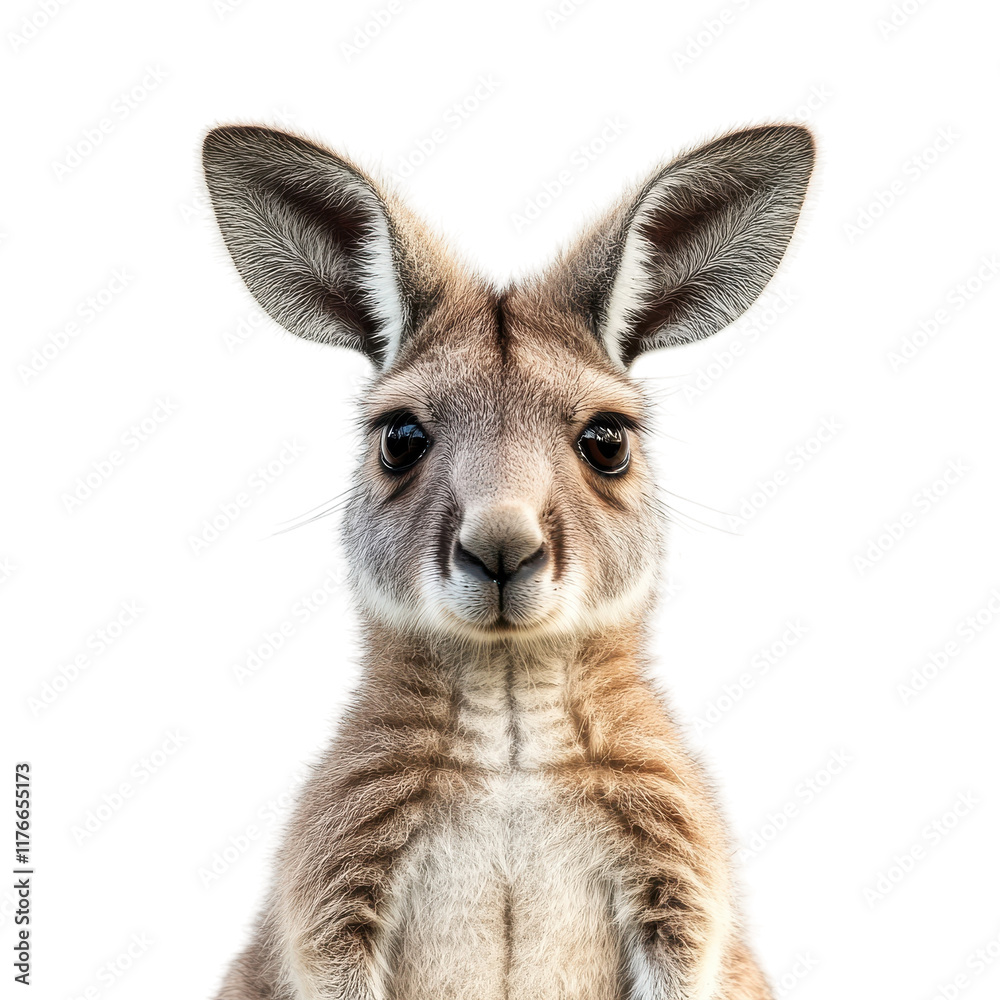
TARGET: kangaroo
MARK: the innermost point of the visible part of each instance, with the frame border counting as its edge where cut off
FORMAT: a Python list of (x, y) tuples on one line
[(507, 810)]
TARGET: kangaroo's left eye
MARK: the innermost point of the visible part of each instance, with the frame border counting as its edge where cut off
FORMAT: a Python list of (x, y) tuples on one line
[(404, 442), (604, 445)]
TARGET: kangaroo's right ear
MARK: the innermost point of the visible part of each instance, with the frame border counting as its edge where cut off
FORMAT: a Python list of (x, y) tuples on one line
[(311, 237)]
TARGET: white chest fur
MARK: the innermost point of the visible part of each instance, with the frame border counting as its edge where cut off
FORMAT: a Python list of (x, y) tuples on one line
[(510, 894)]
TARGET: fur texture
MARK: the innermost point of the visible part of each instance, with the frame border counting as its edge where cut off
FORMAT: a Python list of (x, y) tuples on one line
[(506, 811)]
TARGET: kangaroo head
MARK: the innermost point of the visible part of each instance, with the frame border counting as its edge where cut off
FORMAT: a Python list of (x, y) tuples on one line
[(503, 491)]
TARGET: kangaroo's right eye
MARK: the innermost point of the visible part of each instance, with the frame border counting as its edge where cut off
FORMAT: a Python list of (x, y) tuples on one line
[(605, 445), (404, 442)]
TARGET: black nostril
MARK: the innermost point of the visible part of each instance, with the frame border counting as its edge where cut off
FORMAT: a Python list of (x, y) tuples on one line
[(479, 570), (529, 564), (473, 565)]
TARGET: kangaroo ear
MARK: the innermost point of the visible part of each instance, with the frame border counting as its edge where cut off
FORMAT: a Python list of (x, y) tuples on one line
[(311, 237), (694, 247)]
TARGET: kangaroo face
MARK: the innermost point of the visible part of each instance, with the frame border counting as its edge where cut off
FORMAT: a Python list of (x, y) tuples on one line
[(503, 490), (503, 483)]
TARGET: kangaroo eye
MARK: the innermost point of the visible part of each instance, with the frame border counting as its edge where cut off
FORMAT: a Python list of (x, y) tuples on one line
[(604, 446), (404, 442)]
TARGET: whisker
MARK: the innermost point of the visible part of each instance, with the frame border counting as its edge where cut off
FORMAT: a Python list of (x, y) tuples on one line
[(300, 524), (323, 504), (688, 520), (697, 503), (325, 509)]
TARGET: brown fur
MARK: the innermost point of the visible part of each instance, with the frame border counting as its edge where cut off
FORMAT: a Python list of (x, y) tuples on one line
[(506, 780), (401, 760)]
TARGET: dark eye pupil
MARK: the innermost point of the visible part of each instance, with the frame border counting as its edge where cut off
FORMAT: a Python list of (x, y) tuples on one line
[(605, 447), (609, 445), (403, 442)]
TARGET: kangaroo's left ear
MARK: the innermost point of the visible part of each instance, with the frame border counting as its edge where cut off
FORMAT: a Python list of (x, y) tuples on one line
[(691, 250)]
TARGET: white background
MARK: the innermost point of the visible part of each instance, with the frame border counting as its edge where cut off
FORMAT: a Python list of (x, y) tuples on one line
[(900, 227)]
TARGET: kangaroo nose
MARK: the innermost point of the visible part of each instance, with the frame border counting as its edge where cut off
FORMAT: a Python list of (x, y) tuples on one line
[(495, 566), (500, 546)]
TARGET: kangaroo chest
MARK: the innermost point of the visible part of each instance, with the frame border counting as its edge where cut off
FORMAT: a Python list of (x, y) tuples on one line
[(510, 891)]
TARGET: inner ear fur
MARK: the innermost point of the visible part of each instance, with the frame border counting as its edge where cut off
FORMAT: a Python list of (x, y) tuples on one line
[(323, 250), (692, 247)]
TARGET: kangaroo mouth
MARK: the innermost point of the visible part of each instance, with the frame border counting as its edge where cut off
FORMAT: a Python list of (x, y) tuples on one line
[(520, 617)]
